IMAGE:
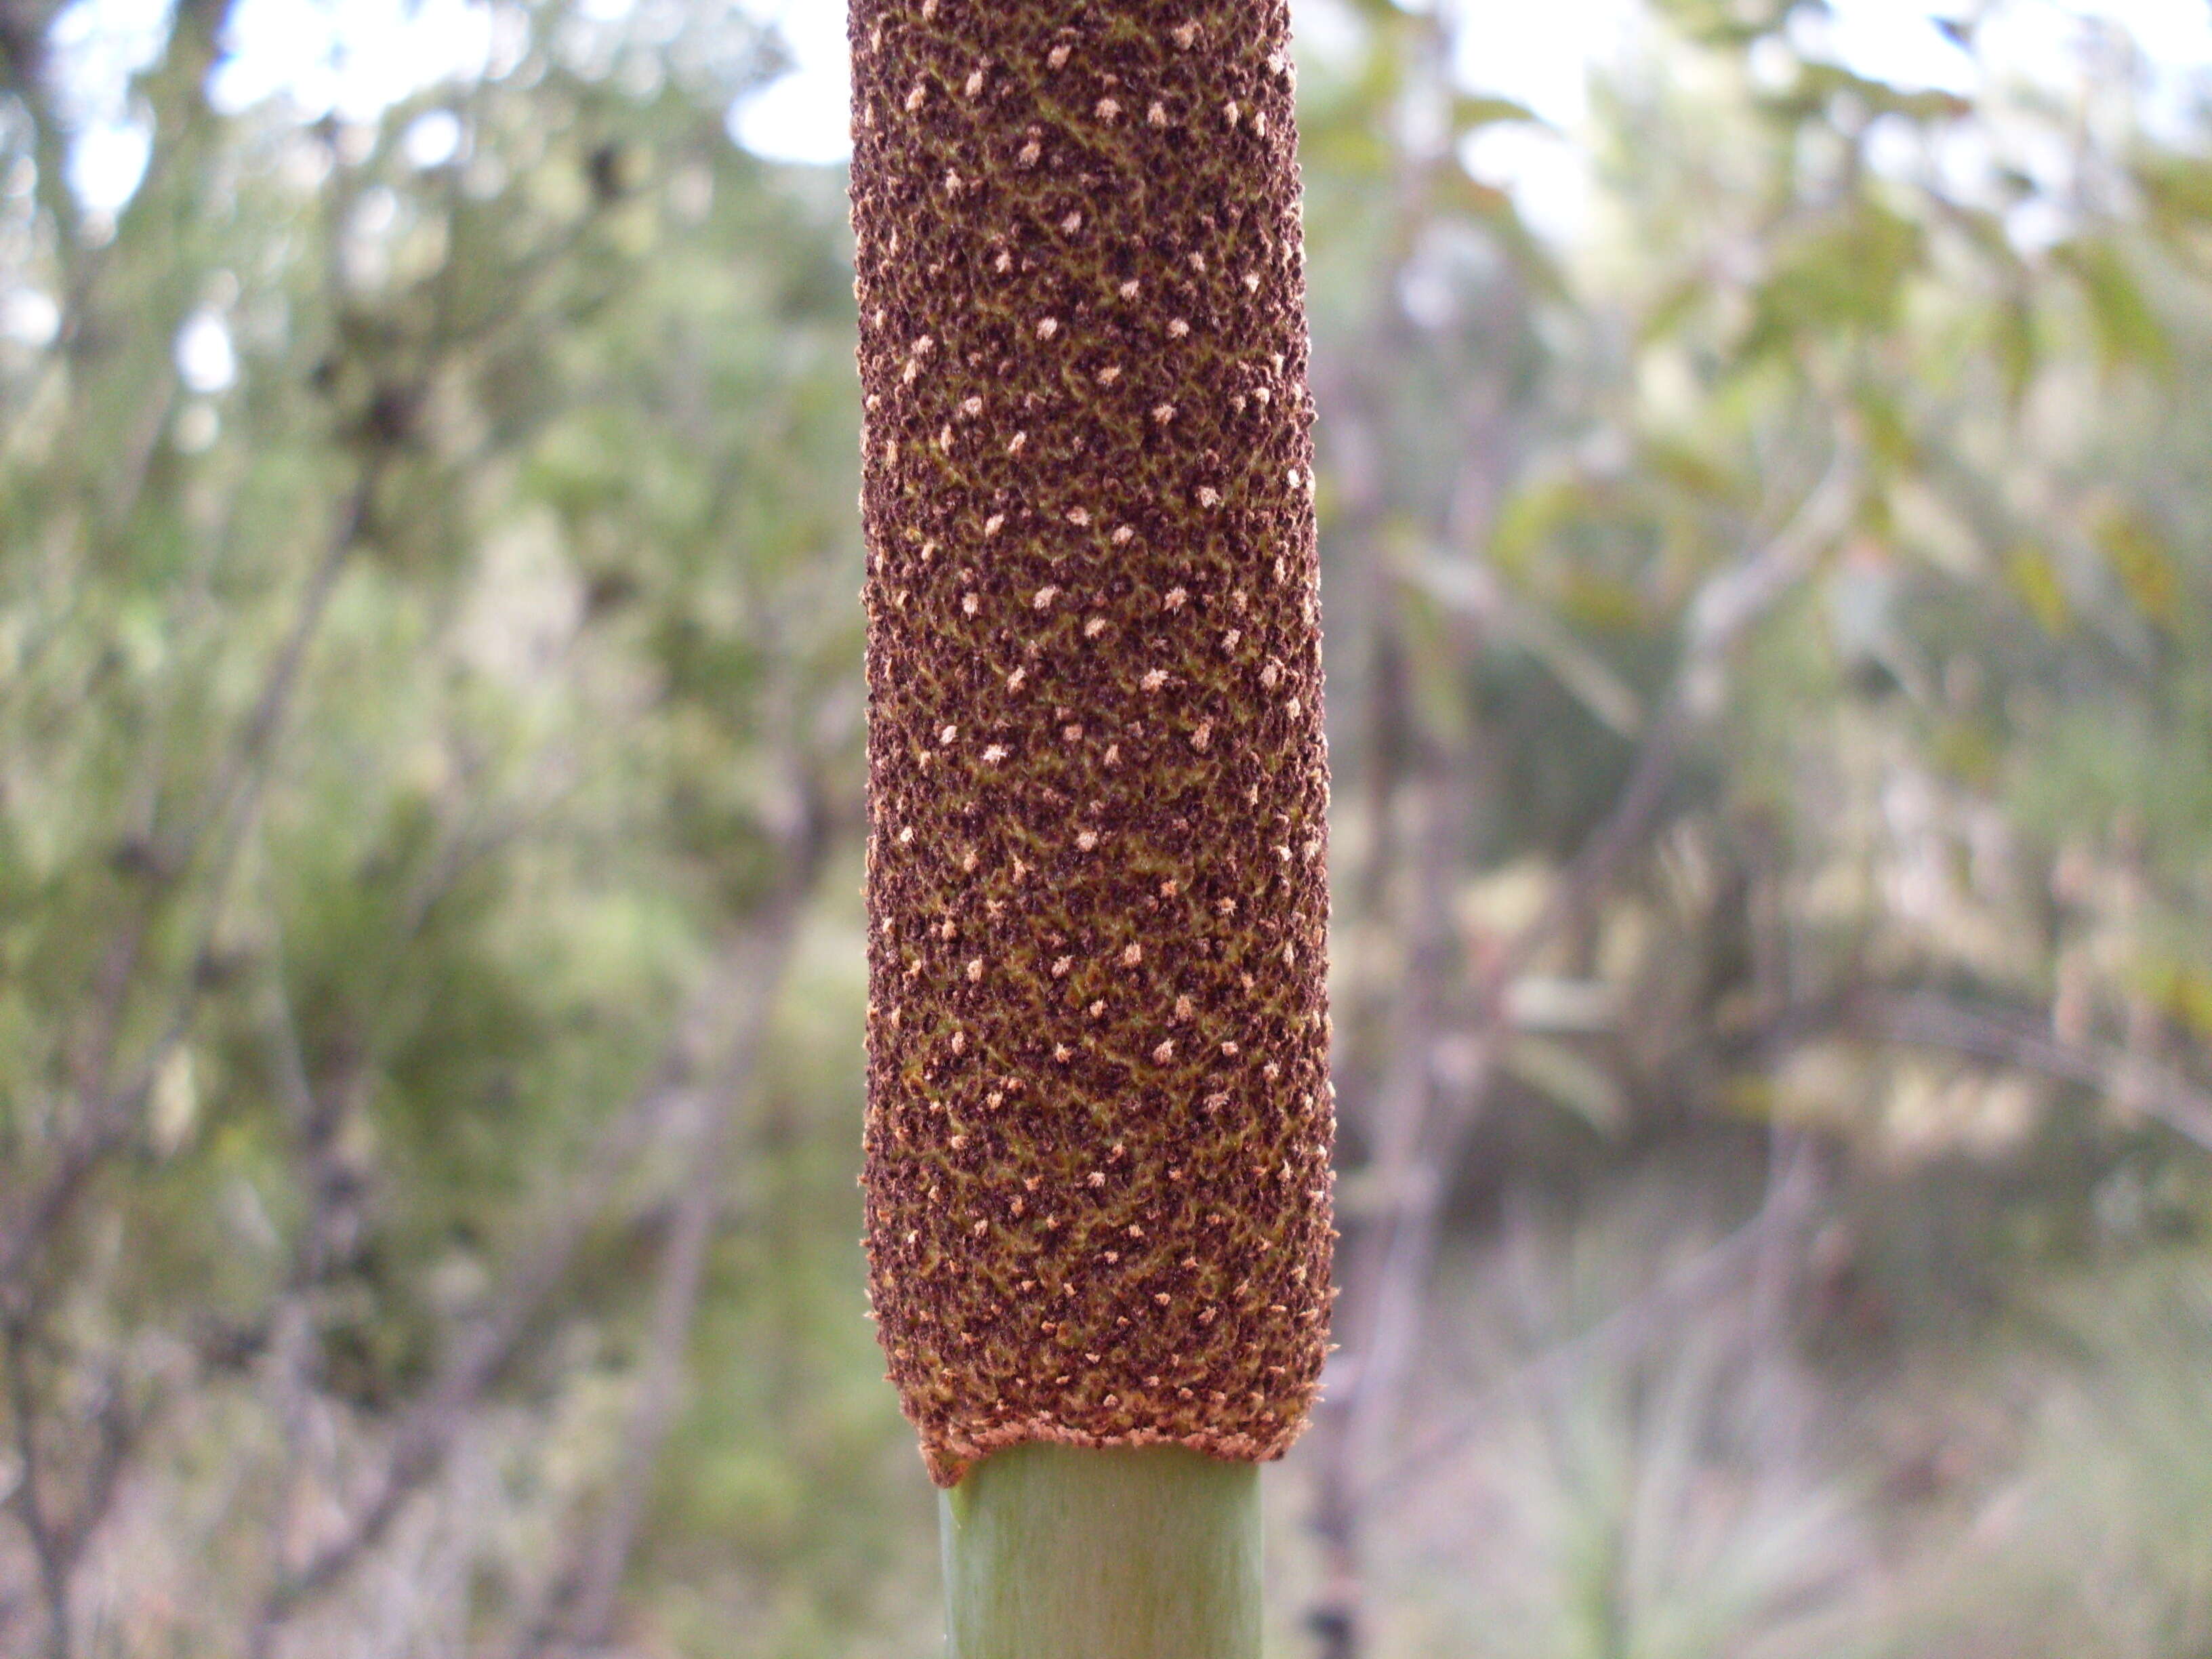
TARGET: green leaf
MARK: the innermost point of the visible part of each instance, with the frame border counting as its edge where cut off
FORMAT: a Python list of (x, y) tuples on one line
[(1456, 191), (1564, 1077), (1473, 590), (1530, 518), (1675, 305), (2128, 330), (1470, 110), (2018, 354), (2032, 577), (1682, 466), (1846, 273), (2178, 188), (1818, 85), (2140, 557)]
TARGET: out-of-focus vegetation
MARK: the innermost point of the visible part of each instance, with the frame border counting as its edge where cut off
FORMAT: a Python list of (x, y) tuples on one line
[(1769, 639)]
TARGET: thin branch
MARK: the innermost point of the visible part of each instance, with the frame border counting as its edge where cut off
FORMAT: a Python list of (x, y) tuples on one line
[(476, 1354), (1379, 1245), (243, 769), (604, 1556), (58, 1542), (48, 1546), (1626, 1327), (113, 1113), (1914, 1017), (1420, 1104), (1925, 1019), (119, 1433), (1420, 1140), (1727, 606), (1724, 610), (433, 1423)]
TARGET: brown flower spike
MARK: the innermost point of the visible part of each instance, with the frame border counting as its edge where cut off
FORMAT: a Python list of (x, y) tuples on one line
[(1099, 1118)]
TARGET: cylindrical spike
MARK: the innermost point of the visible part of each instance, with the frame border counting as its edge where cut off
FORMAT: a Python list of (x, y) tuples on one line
[(1099, 1131)]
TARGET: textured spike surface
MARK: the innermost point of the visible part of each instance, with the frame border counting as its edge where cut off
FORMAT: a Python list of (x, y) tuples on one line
[(1098, 1130)]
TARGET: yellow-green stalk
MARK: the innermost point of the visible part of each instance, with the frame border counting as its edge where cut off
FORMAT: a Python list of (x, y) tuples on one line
[(1098, 1123)]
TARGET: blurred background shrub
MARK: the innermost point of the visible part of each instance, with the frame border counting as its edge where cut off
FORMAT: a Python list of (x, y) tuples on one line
[(1767, 519)]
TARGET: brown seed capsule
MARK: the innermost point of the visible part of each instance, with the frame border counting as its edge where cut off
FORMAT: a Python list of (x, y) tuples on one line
[(1098, 528)]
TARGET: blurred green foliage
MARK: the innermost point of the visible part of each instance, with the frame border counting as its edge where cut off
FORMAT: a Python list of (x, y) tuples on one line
[(1770, 638)]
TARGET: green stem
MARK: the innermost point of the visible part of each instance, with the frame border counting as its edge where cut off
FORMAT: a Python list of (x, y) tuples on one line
[(1063, 1552)]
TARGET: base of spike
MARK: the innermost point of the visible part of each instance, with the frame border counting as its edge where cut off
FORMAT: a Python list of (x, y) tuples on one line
[(1069, 1553)]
